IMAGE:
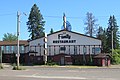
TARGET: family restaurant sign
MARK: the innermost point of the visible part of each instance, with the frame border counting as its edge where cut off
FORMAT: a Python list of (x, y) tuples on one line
[(64, 38)]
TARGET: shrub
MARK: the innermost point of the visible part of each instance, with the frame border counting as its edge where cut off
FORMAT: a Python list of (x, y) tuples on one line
[(51, 63), (116, 57), (1, 66), (17, 68)]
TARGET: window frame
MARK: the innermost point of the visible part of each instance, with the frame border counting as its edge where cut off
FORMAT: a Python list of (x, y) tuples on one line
[(96, 50)]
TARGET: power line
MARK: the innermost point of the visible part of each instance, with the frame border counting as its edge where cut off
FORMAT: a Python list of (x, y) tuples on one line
[(62, 16), (73, 17), (54, 16), (7, 14), (69, 17)]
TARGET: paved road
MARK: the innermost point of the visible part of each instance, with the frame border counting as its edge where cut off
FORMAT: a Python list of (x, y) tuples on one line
[(61, 73)]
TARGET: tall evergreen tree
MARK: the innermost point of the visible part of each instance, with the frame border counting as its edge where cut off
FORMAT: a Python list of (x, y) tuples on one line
[(51, 31), (35, 23), (90, 24), (112, 26), (102, 36)]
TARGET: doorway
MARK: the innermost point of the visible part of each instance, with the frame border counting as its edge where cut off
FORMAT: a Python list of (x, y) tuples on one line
[(62, 61)]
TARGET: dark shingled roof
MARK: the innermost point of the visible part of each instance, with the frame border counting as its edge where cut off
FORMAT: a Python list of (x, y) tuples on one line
[(102, 55), (10, 43)]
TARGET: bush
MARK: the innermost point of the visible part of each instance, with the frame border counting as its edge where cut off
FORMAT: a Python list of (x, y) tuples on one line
[(116, 57), (17, 68), (51, 63), (1, 66)]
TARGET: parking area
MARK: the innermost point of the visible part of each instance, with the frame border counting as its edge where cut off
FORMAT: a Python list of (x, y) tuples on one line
[(60, 73)]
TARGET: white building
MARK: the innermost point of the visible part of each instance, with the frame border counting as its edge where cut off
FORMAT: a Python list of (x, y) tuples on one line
[(67, 43), (62, 47), (65, 47)]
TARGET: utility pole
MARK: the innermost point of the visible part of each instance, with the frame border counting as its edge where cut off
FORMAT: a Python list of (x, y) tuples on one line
[(0, 56), (112, 38), (18, 32), (112, 41), (45, 49)]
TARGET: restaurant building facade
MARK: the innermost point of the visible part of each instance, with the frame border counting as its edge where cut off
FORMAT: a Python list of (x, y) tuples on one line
[(65, 47), (62, 47)]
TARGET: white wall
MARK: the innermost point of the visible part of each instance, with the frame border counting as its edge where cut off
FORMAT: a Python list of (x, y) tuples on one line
[(80, 40), (37, 43)]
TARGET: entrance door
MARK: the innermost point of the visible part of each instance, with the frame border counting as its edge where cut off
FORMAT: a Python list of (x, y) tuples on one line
[(62, 61), (106, 62), (31, 59)]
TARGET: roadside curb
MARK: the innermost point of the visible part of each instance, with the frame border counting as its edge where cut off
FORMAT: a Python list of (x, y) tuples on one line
[(81, 67)]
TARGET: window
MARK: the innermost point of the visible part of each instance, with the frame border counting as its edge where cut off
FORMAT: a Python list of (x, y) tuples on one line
[(62, 48), (75, 50), (7, 49), (12, 49), (22, 49), (2, 48), (84, 49), (96, 50)]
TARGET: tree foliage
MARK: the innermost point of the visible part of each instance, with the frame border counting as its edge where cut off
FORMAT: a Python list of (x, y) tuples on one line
[(106, 35), (35, 23), (9, 37), (102, 36), (116, 56), (91, 27), (112, 26), (51, 31)]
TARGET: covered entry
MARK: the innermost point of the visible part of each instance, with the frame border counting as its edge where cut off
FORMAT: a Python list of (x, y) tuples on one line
[(62, 59), (102, 59), (32, 58)]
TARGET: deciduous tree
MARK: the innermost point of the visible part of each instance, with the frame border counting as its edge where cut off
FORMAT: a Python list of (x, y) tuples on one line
[(9, 37), (91, 27)]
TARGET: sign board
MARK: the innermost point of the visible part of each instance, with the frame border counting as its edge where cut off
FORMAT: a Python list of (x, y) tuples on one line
[(64, 38)]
